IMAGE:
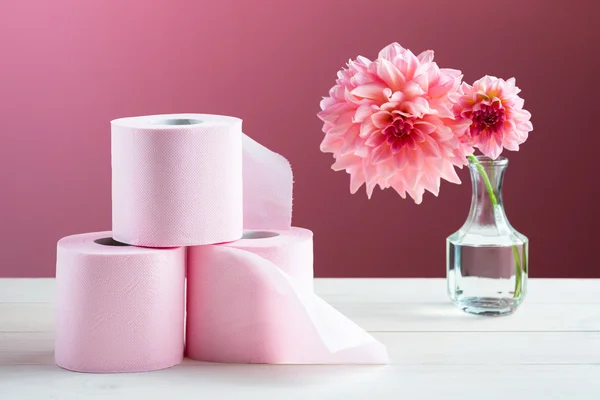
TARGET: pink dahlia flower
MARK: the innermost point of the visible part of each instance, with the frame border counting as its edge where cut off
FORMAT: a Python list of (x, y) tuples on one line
[(496, 113), (390, 123)]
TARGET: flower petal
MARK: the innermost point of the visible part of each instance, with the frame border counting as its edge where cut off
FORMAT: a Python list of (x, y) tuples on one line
[(442, 132), (430, 147), (408, 64), (391, 51), (400, 159), (381, 119), (422, 79), (343, 162), (416, 158), (398, 186), (511, 145), (398, 97), (417, 136), (417, 195), (371, 183), (357, 178), (362, 112), (380, 154), (525, 126), (375, 139), (426, 56), (362, 151), (412, 89), (431, 182), (349, 145), (390, 74), (386, 170), (489, 145), (449, 173), (372, 91), (409, 177), (424, 127), (331, 144), (367, 128)]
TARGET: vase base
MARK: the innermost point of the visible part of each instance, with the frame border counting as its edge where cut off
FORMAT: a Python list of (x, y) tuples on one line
[(488, 306)]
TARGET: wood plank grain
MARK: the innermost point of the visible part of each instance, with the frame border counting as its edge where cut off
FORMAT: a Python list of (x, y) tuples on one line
[(266, 382), (27, 317), (550, 349), (428, 290), (444, 316), (392, 317), (362, 290), (27, 290), (405, 348)]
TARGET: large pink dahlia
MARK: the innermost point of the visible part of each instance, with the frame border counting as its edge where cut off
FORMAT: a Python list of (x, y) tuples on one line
[(390, 122), (496, 113)]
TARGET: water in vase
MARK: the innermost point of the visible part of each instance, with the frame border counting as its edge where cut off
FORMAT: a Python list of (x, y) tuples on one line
[(483, 279)]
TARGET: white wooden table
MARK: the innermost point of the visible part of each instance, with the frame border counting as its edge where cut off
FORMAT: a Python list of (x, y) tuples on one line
[(549, 349)]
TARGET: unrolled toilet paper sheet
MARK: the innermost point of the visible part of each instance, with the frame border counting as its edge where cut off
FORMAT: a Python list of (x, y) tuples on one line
[(268, 185), (243, 306)]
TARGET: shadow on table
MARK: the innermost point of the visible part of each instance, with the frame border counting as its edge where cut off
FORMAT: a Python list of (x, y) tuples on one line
[(436, 310)]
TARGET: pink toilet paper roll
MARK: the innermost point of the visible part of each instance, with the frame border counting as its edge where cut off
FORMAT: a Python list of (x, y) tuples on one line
[(291, 250), (193, 179), (119, 308), (243, 307), (177, 179)]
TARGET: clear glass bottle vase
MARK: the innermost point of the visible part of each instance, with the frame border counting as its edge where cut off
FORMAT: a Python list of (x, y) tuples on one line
[(487, 259)]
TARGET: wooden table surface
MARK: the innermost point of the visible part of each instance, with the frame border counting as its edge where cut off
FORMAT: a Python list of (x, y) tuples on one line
[(549, 349)]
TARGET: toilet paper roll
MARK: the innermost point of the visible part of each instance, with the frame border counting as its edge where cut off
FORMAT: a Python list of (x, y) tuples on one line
[(119, 308), (290, 250), (177, 180), (243, 307)]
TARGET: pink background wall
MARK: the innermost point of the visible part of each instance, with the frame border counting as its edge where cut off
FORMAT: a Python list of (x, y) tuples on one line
[(68, 67)]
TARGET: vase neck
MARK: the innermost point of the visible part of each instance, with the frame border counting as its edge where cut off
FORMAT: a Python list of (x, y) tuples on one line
[(486, 210)]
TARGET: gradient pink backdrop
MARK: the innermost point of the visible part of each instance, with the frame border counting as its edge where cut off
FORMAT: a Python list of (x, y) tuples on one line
[(68, 67)]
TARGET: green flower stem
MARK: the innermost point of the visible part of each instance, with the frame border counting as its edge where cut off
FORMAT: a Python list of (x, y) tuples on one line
[(486, 179), (518, 272), (524, 259), (494, 200)]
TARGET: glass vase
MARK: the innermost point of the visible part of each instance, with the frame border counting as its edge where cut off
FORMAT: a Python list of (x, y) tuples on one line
[(487, 261)]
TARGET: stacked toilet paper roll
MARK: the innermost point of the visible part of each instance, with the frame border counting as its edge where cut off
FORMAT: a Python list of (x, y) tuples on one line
[(177, 180), (119, 308), (196, 180)]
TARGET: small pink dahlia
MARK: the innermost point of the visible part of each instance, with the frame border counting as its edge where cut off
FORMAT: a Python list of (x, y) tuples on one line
[(390, 122), (496, 113)]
